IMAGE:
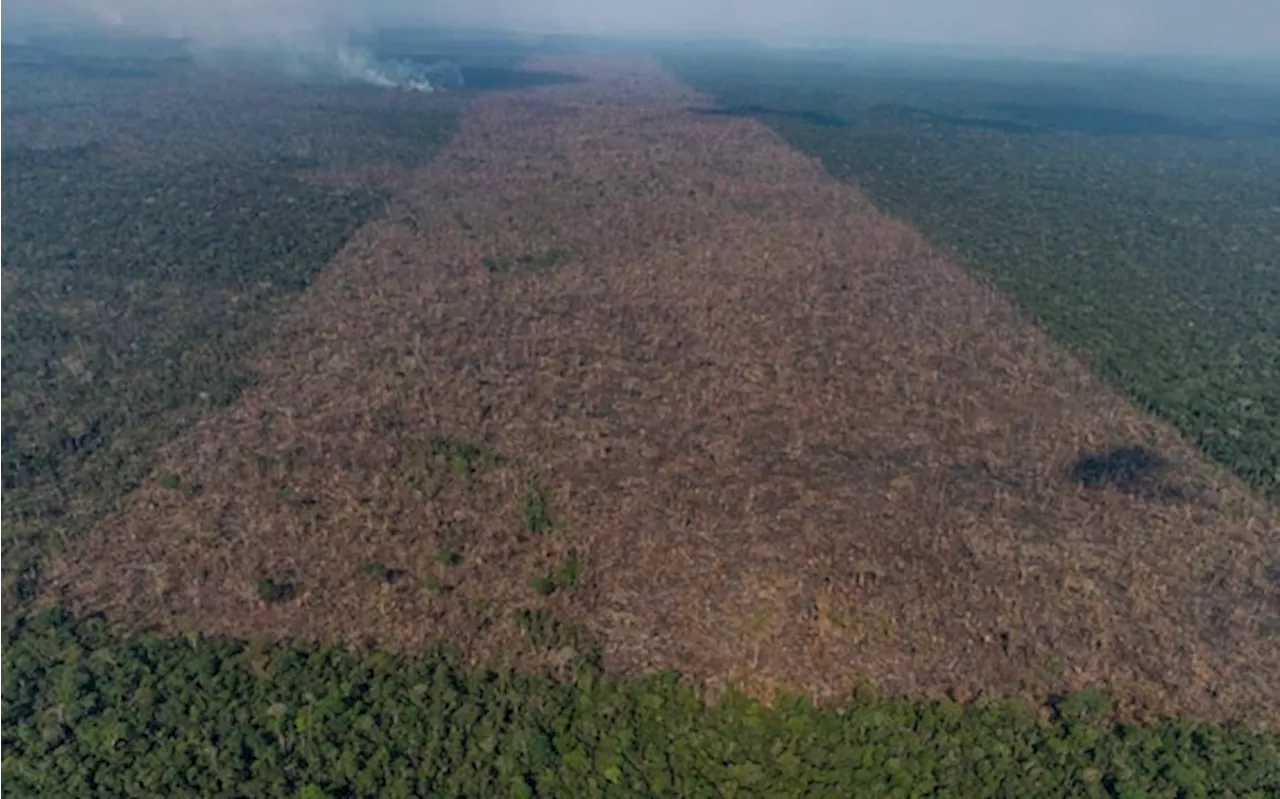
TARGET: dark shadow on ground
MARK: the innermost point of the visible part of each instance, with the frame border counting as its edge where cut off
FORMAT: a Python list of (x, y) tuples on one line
[(811, 117), (1130, 470), (1023, 118), (499, 78), (487, 77)]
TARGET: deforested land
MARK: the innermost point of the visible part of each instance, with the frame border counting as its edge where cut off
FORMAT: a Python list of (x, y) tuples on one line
[(590, 430)]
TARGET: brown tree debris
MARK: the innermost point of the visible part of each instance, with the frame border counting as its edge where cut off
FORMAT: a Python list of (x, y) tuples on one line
[(791, 444)]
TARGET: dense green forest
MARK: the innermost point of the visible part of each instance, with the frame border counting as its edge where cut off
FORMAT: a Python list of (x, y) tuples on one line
[(87, 713), (1136, 214)]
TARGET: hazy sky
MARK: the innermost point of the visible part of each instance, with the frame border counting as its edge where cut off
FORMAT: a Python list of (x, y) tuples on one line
[(1129, 26)]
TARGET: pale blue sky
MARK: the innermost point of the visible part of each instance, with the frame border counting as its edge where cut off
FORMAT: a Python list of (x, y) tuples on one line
[(1117, 26)]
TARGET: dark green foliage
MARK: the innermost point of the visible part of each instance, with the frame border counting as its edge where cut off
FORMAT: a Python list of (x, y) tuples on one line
[(528, 262), (89, 715), (222, 225), (465, 458), (536, 510), (542, 585), (566, 576), (448, 556), (570, 571), (382, 572), (1132, 211), (274, 592), (436, 586)]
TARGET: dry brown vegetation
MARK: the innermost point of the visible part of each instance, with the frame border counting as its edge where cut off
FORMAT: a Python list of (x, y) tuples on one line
[(791, 445)]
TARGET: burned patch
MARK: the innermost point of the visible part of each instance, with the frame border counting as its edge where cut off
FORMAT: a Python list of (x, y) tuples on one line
[(817, 118), (1130, 470)]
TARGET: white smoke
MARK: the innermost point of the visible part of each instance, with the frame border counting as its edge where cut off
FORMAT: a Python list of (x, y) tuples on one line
[(355, 64), (358, 65), (301, 38)]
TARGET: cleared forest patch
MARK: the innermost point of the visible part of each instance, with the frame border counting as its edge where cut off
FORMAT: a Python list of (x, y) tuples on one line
[(651, 373)]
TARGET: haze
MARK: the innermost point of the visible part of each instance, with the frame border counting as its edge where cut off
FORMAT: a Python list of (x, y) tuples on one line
[(1226, 27)]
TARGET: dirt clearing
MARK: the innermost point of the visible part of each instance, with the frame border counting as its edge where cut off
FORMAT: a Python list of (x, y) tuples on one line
[(655, 372)]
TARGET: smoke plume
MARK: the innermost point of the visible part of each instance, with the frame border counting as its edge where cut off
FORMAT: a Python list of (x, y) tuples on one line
[(301, 38)]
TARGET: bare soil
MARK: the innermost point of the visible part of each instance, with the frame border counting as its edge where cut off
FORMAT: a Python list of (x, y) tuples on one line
[(794, 446)]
